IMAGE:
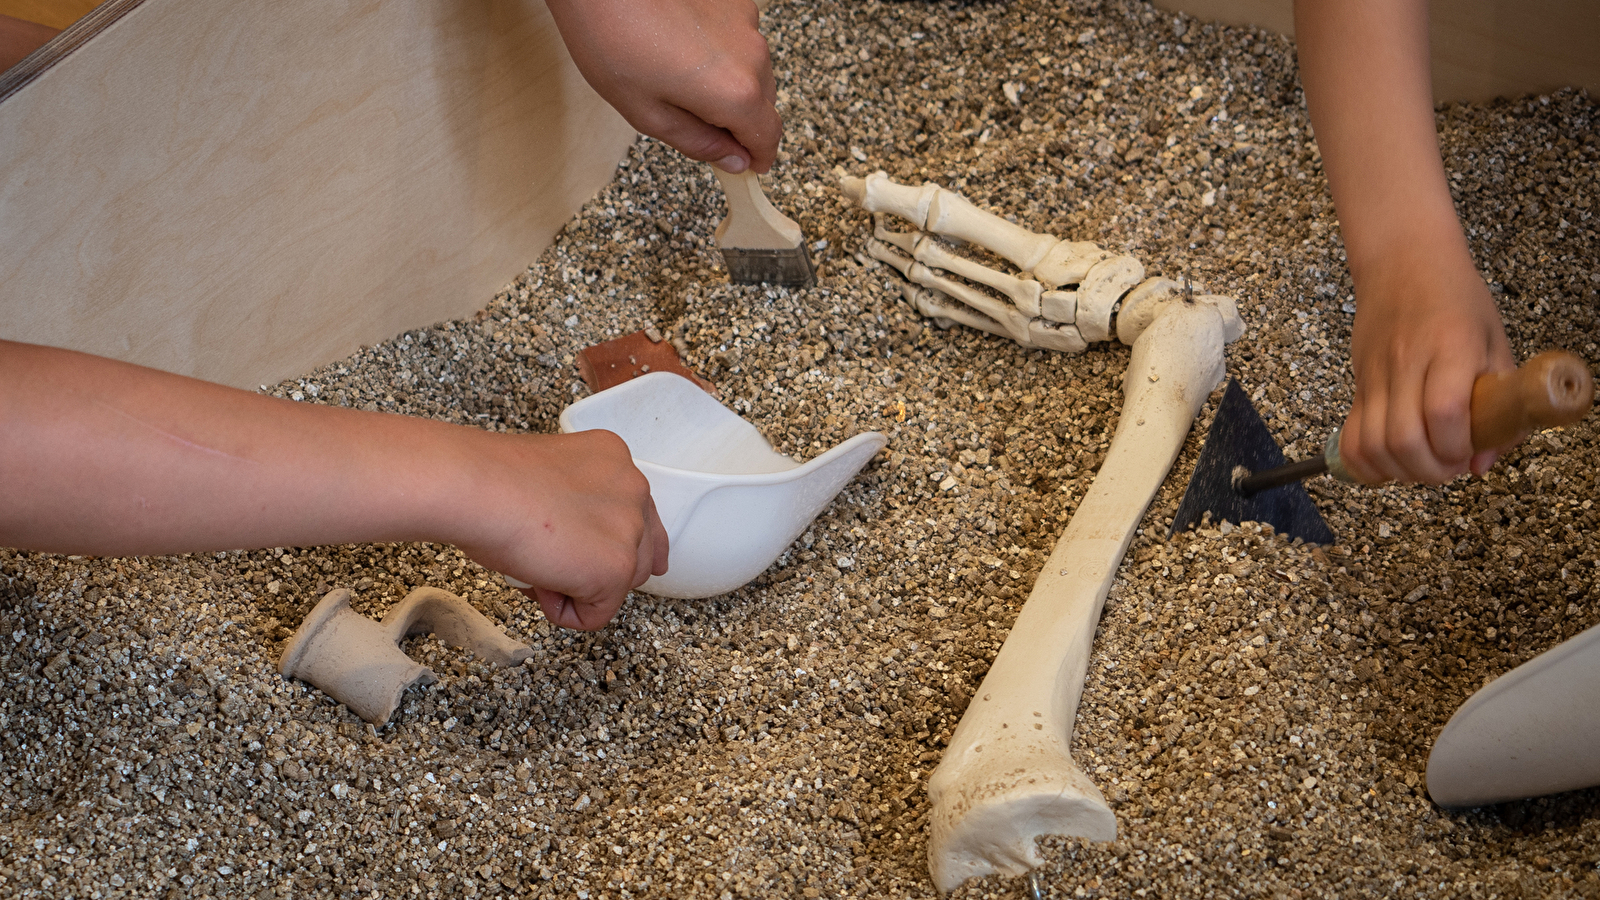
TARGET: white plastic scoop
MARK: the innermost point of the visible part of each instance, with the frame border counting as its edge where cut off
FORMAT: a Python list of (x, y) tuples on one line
[(729, 502), (1533, 731)]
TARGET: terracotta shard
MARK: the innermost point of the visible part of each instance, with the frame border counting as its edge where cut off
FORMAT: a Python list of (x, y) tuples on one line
[(611, 363)]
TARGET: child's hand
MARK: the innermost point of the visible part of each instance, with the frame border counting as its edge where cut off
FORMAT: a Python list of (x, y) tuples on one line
[(692, 73), (1426, 327), (103, 458), (575, 520)]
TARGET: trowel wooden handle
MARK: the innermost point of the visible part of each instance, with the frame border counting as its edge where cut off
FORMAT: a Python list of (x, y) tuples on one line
[(1551, 390)]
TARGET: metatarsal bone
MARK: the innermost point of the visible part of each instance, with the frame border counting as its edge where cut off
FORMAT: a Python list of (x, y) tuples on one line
[(952, 214), (1008, 776), (1014, 325), (1099, 292), (1024, 292), (881, 252), (945, 311), (905, 240)]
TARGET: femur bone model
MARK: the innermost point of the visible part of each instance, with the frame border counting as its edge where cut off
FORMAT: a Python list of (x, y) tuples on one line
[(1067, 293), (1007, 776)]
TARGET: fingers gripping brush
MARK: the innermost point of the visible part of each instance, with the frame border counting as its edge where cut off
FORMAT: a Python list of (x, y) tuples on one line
[(759, 244), (1242, 476)]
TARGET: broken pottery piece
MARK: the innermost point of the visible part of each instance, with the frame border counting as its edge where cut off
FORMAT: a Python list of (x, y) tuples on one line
[(1533, 731), (730, 503), (358, 662), (610, 363), (1008, 776)]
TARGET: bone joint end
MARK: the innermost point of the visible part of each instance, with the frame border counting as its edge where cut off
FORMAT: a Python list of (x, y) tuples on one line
[(854, 187), (978, 834)]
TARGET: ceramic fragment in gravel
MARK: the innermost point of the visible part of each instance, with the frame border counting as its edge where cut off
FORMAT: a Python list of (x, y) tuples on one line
[(1533, 731), (359, 662), (610, 363)]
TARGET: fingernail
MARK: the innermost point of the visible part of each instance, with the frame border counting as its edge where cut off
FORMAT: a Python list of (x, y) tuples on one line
[(732, 164)]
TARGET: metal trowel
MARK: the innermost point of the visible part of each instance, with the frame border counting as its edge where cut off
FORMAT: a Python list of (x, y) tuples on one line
[(1242, 475)]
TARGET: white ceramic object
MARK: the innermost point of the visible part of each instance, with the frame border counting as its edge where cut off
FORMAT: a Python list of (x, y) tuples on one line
[(1008, 776), (359, 663), (1533, 731), (729, 502)]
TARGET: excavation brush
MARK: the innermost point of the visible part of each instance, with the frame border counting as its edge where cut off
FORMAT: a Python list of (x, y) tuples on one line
[(1242, 475), (759, 244)]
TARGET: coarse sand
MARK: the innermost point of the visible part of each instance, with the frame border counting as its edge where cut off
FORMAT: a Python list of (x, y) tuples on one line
[(1258, 714)]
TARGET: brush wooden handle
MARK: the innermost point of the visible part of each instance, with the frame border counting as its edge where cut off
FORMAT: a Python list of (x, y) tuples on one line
[(753, 223), (1553, 389)]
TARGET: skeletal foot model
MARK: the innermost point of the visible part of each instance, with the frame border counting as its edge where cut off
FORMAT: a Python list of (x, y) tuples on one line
[(358, 662), (1008, 776), (1067, 293)]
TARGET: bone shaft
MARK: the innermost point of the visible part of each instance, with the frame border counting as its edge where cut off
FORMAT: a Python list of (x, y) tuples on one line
[(953, 215), (1025, 294), (1183, 350)]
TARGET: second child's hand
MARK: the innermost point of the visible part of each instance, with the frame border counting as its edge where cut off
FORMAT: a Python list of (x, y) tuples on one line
[(695, 74)]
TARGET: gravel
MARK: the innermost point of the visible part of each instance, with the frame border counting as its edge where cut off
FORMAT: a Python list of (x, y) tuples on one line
[(1259, 714)]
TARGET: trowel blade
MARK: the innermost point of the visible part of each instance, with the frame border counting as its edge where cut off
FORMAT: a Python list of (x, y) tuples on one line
[(1238, 437)]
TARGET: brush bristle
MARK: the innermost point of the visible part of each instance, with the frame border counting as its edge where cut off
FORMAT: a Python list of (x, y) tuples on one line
[(790, 268)]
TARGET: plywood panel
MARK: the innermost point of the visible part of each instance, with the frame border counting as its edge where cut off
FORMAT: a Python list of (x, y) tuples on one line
[(1481, 48), (241, 192), (1485, 49), (57, 14)]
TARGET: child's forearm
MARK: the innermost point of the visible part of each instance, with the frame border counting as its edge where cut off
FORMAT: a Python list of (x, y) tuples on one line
[(1364, 64), (1426, 325), (105, 458), (102, 457)]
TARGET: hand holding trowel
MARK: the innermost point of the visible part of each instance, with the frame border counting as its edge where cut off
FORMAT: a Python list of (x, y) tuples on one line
[(1242, 475)]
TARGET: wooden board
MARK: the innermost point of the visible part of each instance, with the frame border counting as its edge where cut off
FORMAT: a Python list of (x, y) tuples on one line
[(1481, 48), (242, 192), (58, 14)]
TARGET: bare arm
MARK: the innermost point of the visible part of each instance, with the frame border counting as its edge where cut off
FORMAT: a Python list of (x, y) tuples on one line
[(105, 458), (1426, 325), (692, 73)]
